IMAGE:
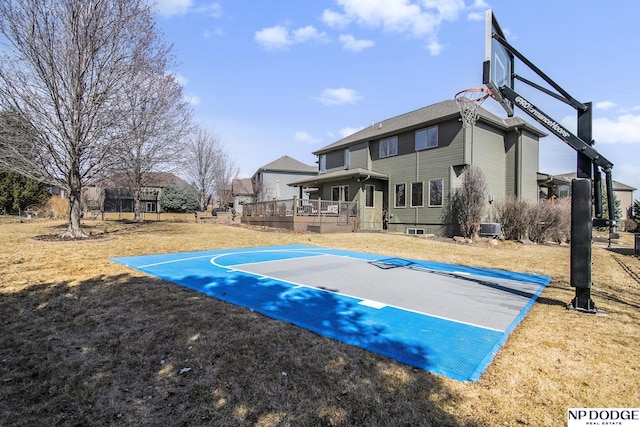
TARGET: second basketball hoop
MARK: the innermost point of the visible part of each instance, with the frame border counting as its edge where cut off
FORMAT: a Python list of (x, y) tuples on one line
[(468, 101)]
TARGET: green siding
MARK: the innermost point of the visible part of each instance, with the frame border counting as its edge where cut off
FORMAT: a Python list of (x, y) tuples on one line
[(488, 154), (529, 169)]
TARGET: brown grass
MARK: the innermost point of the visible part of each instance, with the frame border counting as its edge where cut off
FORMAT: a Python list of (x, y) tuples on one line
[(86, 341)]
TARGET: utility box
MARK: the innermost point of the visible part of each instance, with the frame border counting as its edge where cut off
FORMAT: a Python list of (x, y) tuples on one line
[(490, 229)]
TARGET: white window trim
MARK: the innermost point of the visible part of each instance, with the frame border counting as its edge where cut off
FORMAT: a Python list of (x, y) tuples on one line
[(415, 231)]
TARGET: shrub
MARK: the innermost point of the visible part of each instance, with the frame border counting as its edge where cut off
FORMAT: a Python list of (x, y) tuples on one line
[(468, 202), (513, 215), (550, 221), (55, 207), (628, 225)]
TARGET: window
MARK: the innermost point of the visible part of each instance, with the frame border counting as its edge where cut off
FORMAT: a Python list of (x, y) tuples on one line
[(427, 138), (389, 147), (415, 230), (323, 162), (369, 191), (400, 196), (416, 194), (435, 192), (340, 194), (346, 158)]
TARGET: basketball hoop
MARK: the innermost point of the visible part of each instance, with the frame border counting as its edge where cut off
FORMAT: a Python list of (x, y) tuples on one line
[(468, 101)]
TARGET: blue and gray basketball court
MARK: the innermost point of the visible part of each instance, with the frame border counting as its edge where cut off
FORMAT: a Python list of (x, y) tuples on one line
[(444, 318)]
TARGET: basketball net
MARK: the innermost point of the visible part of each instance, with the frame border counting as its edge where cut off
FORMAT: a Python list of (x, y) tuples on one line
[(468, 102)]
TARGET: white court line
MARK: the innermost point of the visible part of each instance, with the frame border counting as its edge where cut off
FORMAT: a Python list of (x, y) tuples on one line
[(362, 301), (311, 252)]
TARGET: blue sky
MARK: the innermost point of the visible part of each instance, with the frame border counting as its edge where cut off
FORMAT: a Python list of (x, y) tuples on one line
[(276, 77)]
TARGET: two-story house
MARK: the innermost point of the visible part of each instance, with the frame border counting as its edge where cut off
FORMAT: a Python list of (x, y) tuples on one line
[(402, 170)]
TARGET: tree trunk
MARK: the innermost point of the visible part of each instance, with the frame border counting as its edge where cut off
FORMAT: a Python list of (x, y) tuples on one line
[(136, 204), (74, 229)]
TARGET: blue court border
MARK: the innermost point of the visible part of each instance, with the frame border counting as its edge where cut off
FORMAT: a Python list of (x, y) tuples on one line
[(457, 350)]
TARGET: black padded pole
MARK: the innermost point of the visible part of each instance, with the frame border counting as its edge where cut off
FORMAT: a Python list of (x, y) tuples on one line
[(581, 235)]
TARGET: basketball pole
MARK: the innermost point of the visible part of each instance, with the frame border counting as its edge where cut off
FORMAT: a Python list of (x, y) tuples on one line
[(581, 219)]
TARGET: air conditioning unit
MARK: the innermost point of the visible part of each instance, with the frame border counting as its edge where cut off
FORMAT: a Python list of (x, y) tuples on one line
[(490, 229)]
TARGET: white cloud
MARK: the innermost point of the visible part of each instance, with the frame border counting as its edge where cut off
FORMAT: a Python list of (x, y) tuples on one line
[(350, 43), (475, 16), (624, 129), (603, 105), (345, 132), (279, 37), (192, 99), (307, 34), (340, 96), (213, 9), (169, 8), (434, 47), (305, 137), (418, 19), (273, 38), (335, 19)]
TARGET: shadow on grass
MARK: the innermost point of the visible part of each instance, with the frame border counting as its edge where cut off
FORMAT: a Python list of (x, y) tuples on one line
[(125, 350)]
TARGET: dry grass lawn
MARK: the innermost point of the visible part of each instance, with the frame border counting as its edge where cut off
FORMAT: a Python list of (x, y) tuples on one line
[(86, 341)]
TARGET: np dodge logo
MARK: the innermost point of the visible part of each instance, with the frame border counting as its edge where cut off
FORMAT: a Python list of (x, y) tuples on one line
[(626, 417)]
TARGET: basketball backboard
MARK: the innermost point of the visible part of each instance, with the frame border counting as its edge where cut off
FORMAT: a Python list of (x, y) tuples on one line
[(498, 63)]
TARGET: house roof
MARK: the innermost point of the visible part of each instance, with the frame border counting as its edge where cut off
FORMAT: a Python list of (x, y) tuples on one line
[(242, 187), (356, 173), (288, 164), (424, 116), (617, 186), (150, 179)]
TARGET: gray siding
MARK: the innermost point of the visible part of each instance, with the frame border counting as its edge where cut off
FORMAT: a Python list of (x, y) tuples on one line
[(360, 156)]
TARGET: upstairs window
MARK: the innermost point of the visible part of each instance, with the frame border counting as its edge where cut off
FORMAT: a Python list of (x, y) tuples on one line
[(427, 138), (323, 162), (389, 147), (346, 158)]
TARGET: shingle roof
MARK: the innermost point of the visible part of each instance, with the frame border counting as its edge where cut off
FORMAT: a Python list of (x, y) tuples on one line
[(149, 179), (424, 116), (242, 187), (617, 186), (288, 164), (341, 174)]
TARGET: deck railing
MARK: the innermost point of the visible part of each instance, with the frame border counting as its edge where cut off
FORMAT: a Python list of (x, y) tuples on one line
[(300, 207)]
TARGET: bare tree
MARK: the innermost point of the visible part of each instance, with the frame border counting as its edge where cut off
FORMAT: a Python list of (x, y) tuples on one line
[(201, 161), (157, 122), (469, 201), (64, 67), (226, 171)]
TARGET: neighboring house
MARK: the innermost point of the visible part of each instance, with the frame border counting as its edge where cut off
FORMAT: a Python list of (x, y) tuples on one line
[(401, 171), (242, 192), (115, 194), (560, 186), (271, 180)]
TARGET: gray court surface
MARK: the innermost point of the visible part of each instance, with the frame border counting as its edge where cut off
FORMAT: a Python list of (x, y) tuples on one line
[(480, 301)]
